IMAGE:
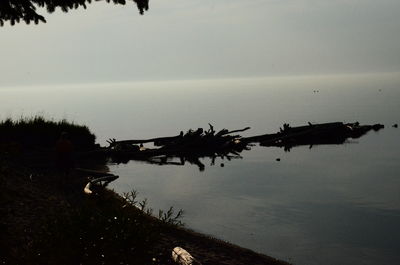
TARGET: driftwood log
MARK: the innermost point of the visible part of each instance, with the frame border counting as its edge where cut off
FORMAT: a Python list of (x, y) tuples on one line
[(195, 144), (160, 140), (313, 134), (97, 179)]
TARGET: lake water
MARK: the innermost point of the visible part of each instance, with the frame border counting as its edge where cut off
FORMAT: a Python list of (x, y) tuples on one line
[(329, 204)]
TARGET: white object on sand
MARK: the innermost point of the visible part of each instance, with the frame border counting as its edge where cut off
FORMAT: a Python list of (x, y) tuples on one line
[(182, 257), (87, 188)]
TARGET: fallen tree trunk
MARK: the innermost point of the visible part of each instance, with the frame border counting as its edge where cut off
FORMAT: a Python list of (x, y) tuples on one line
[(143, 141), (326, 133), (92, 172), (225, 132), (297, 131)]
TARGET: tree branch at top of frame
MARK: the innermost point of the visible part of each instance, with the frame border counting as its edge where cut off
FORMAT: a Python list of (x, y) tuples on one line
[(16, 11)]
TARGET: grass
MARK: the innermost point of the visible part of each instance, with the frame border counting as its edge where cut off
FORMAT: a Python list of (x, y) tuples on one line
[(99, 230), (39, 132)]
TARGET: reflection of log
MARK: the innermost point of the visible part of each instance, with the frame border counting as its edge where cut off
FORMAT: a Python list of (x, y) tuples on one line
[(287, 145)]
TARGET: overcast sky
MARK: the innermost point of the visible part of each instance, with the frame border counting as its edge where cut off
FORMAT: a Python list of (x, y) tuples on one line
[(191, 39)]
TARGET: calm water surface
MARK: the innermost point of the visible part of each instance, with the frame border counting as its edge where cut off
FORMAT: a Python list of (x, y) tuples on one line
[(332, 204)]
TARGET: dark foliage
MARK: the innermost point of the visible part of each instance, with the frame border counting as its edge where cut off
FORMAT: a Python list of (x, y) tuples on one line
[(16, 11), (98, 231), (38, 132)]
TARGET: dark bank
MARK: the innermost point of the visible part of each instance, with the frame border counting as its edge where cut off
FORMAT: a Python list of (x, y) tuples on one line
[(46, 217)]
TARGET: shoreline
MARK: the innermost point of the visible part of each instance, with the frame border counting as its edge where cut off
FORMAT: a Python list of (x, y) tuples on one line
[(34, 207)]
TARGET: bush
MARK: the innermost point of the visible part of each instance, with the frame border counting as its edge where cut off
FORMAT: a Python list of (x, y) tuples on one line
[(37, 132)]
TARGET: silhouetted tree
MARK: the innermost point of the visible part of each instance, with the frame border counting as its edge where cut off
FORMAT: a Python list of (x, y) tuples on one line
[(25, 10)]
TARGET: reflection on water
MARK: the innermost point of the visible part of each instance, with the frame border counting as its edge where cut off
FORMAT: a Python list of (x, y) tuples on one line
[(195, 145), (180, 161), (332, 204), (329, 205)]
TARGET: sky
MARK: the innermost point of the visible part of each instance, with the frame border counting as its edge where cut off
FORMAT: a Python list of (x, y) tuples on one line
[(202, 39)]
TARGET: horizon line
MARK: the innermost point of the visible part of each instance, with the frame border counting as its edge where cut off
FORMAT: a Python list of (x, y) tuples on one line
[(200, 79)]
